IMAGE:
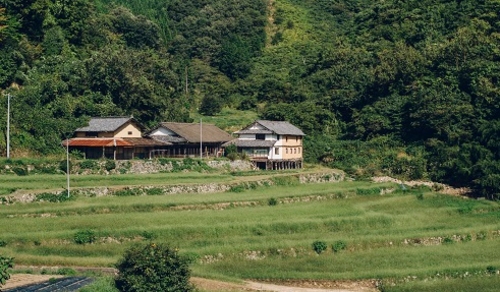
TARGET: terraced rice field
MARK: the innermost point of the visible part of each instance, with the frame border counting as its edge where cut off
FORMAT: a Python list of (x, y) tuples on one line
[(403, 239)]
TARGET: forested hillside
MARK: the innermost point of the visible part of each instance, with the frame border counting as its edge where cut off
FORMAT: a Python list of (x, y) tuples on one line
[(408, 88)]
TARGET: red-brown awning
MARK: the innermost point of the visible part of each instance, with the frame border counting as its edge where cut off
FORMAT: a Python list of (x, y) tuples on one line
[(97, 142)]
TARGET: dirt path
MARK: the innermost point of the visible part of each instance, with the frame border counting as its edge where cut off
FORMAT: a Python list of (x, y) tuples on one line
[(279, 288), (17, 280)]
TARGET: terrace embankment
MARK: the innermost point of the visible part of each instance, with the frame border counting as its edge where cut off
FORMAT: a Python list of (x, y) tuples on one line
[(239, 184)]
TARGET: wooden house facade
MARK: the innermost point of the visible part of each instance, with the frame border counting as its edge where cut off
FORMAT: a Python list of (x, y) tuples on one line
[(271, 144), (112, 138), (189, 140)]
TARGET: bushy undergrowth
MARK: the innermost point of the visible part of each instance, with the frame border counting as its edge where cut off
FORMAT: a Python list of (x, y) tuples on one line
[(6, 263), (54, 198), (125, 192), (89, 164), (339, 245), (109, 165), (319, 246), (102, 284), (380, 156), (272, 202), (285, 180), (20, 170), (84, 237)]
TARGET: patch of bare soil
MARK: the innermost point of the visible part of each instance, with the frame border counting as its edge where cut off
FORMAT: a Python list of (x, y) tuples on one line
[(215, 285), (288, 286), (18, 280)]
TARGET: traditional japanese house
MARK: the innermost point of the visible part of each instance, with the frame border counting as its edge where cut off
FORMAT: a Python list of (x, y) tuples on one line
[(189, 139), (271, 144), (113, 138)]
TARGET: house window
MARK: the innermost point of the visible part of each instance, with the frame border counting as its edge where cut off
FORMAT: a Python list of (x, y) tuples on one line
[(286, 138), (294, 150), (130, 132), (278, 137), (286, 150), (260, 137), (276, 151), (91, 134), (299, 150), (296, 138)]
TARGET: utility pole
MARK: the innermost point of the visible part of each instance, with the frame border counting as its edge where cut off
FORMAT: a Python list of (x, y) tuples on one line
[(67, 164), (186, 76), (8, 125), (201, 138)]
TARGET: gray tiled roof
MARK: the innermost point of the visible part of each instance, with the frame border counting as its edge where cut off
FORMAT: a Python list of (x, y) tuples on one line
[(190, 132), (105, 124), (168, 139), (248, 131), (250, 143), (281, 127), (276, 127)]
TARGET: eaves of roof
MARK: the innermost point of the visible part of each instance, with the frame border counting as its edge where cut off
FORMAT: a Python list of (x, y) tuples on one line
[(251, 143)]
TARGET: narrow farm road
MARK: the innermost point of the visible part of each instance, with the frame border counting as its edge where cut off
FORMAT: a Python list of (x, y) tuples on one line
[(18, 280), (278, 288), (348, 286)]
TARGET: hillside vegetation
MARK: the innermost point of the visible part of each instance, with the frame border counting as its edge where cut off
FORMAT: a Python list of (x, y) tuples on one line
[(407, 88)]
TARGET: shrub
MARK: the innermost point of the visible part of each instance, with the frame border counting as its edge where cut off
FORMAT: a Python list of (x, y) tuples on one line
[(88, 164), (125, 192), (54, 198), (231, 149), (368, 191), (448, 240), (3, 243), (63, 166), (20, 171), (154, 192), (237, 188), (153, 267), (6, 263), (66, 272), (272, 202), (319, 246), (339, 245), (285, 180), (110, 165), (149, 235), (482, 235), (468, 237), (84, 236), (232, 156), (491, 270)]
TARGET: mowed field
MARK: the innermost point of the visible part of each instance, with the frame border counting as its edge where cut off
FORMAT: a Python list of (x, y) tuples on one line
[(410, 239)]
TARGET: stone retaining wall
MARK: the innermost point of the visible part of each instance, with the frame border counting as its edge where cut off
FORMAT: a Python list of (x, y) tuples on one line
[(323, 177)]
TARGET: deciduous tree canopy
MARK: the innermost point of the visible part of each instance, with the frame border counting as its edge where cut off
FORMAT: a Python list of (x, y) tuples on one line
[(421, 73)]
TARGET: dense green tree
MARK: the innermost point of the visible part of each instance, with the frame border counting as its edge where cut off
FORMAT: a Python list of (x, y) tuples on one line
[(420, 74), (153, 267)]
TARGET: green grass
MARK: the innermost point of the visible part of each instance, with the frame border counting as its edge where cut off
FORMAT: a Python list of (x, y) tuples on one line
[(52, 181), (239, 235), (103, 284)]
